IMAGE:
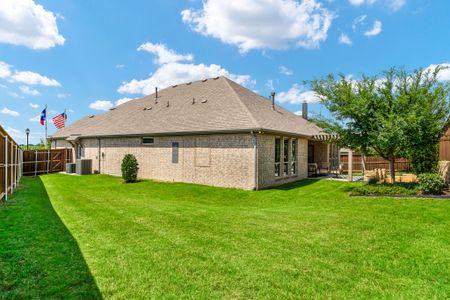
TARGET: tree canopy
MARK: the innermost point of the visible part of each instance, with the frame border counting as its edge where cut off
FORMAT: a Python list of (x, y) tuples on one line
[(395, 114)]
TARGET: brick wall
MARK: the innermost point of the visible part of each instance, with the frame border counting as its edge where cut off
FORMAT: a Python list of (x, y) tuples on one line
[(266, 162), (225, 160)]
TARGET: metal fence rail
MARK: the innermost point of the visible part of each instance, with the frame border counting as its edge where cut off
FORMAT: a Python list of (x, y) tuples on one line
[(36, 162), (11, 156)]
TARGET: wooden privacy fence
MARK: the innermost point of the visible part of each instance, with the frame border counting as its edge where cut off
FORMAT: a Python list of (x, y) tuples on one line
[(10, 164), (374, 162), (37, 162)]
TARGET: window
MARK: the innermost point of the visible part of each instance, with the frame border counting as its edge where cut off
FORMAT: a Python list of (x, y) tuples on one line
[(310, 154), (285, 157), (293, 156), (148, 140), (277, 157), (175, 148), (80, 151)]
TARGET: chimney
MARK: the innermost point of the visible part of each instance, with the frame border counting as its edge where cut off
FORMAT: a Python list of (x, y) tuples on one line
[(305, 110), (273, 100)]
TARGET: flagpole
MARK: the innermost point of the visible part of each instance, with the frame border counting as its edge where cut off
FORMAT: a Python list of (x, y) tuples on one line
[(65, 117), (46, 137)]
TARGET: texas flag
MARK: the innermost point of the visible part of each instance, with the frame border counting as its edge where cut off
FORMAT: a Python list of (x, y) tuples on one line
[(43, 116)]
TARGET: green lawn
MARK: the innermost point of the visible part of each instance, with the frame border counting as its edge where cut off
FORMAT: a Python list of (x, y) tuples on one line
[(94, 237)]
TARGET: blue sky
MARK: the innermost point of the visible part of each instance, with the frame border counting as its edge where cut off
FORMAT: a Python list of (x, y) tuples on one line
[(84, 56)]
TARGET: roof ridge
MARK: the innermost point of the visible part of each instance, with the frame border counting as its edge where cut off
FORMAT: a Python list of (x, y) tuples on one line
[(240, 101)]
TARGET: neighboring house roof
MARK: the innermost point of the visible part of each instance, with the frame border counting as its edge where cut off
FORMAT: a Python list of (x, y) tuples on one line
[(206, 106)]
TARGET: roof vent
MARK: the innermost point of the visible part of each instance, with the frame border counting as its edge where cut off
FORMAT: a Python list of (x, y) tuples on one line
[(168, 104), (174, 86), (188, 83), (193, 100), (273, 100), (204, 80), (156, 95), (215, 78), (204, 101), (148, 108), (113, 108), (91, 116)]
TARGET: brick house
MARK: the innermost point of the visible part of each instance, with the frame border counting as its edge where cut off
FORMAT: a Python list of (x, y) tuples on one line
[(212, 132)]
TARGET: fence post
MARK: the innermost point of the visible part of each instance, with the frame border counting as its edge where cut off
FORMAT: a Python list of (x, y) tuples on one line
[(6, 168), (35, 163)]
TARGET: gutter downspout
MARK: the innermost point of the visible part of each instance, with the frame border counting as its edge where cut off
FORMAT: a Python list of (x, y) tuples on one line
[(99, 156), (255, 160)]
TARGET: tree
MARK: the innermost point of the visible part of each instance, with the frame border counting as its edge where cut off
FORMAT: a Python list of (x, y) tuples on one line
[(385, 114)]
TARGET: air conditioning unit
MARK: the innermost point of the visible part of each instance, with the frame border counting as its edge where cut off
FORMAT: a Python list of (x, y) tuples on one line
[(71, 168), (84, 166)]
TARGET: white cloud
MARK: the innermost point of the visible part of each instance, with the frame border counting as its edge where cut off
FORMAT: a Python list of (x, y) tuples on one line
[(33, 78), (27, 91), (285, 71), (32, 105), (357, 21), (376, 29), (101, 105), (269, 85), (175, 73), (163, 54), (262, 24), (344, 39), (172, 73), (5, 70), (27, 77), (123, 100), (444, 74), (25, 23), (396, 4), (298, 94), (62, 95), (7, 111), (361, 2), (36, 119), (120, 66)]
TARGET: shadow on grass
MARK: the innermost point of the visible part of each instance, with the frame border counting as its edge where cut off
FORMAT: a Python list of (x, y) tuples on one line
[(296, 184), (39, 258)]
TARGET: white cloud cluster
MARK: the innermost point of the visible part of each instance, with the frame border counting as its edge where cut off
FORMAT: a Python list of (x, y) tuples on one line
[(375, 30), (123, 100), (285, 71), (101, 105), (393, 5), (298, 94), (171, 70), (344, 39), (9, 112), (357, 21), (444, 74), (28, 91), (35, 106), (262, 24), (163, 54), (27, 77), (25, 23)]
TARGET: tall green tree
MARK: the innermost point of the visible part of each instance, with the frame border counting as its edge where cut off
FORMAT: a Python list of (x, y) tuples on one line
[(389, 114)]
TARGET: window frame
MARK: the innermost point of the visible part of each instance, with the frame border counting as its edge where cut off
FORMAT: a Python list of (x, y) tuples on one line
[(175, 155), (148, 137), (277, 166)]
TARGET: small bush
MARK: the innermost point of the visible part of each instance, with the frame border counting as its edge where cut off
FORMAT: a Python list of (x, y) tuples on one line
[(400, 189), (430, 183), (130, 168)]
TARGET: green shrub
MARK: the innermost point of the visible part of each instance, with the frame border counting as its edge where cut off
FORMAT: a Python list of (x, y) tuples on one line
[(130, 168), (399, 189), (430, 183)]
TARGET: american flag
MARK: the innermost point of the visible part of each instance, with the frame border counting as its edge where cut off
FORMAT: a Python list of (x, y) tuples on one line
[(60, 120)]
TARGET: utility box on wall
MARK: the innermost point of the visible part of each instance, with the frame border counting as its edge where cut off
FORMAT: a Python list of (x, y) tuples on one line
[(84, 166)]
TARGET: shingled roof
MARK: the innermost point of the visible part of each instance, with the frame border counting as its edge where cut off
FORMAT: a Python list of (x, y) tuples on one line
[(205, 106)]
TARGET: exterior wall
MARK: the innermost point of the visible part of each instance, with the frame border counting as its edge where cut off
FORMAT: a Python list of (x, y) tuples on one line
[(266, 162), (320, 151), (225, 160)]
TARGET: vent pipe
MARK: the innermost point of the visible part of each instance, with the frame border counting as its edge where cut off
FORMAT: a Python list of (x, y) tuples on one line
[(156, 94), (305, 110), (273, 100)]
